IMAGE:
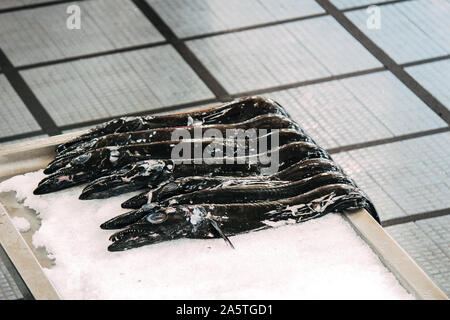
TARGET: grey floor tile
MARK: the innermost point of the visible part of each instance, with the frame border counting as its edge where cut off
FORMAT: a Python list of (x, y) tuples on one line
[(36, 35), (116, 84), (410, 30), (432, 17), (287, 9), (390, 101), (14, 116), (413, 173), (335, 48), (376, 105), (194, 17), (438, 230), (421, 246), (283, 54), (386, 206), (8, 288), (435, 77)]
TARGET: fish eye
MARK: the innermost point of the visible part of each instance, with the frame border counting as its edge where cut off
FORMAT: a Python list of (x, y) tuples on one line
[(157, 217)]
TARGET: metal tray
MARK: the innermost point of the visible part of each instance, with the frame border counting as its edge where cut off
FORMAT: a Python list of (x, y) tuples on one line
[(30, 156)]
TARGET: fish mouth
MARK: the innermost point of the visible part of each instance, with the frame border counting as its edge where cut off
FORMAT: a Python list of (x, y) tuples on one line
[(60, 149), (110, 186), (56, 164), (60, 181), (107, 187), (67, 162), (76, 150), (145, 232), (49, 185), (138, 201), (133, 238), (129, 218), (160, 224), (132, 177)]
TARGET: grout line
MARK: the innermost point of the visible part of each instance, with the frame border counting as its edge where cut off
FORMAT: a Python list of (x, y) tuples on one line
[(308, 82), (91, 55), (252, 27), (21, 136), (415, 217), (373, 4), (142, 113), (37, 5), (429, 60), (283, 21), (387, 61), (15, 275), (28, 97), (188, 56), (388, 140), (160, 43)]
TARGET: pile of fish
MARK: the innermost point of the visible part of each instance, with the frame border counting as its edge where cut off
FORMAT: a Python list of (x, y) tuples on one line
[(195, 199)]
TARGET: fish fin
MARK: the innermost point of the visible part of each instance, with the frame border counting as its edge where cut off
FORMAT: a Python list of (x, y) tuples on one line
[(224, 237)]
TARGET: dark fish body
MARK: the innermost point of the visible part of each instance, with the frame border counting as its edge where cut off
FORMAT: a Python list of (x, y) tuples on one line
[(271, 190), (133, 179), (300, 170), (158, 224), (288, 155), (266, 121), (307, 168), (191, 184), (236, 111), (88, 167), (114, 157), (245, 194)]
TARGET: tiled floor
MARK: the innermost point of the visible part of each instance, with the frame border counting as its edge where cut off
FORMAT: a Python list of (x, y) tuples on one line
[(389, 132), (9, 289)]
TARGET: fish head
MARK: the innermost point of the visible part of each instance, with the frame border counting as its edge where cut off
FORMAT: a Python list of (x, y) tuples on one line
[(163, 224), (129, 178)]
